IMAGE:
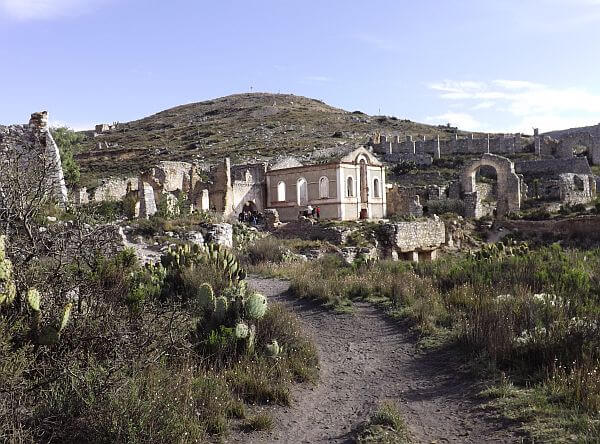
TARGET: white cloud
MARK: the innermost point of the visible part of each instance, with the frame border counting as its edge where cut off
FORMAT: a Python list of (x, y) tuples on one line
[(525, 103), (462, 120), (484, 105), (24, 10), (320, 79)]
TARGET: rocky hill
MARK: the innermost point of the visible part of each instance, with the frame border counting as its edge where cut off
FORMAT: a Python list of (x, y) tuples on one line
[(558, 134), (255, 126)]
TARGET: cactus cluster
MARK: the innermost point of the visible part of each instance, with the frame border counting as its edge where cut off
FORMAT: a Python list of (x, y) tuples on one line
[(234, 304), (501, 250), (236, 307), (47, 334), (191, 256), (8, 289)]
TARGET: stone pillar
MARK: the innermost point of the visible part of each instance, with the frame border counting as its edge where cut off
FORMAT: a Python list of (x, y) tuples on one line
[(471, 202), (39, 123), (410, 145), (204, 200), (537, 142), (488, 144), (436, 148), (147, 201)]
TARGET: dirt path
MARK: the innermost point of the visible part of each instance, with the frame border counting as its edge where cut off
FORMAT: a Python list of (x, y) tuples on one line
[(366, 358)]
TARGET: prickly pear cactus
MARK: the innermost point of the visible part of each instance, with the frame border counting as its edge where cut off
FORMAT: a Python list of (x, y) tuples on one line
[(8, 289), (221, 309), (256, 306), (34, 299), (273, 349), (206, 300), (242, 330)]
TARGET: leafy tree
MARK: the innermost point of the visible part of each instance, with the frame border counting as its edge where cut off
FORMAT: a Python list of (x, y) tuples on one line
[(69, 143)]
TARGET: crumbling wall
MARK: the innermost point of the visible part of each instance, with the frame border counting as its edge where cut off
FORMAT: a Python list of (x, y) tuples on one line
[(577, 188), (34, 142), (113, 189), (508, 186), (221, 192), (504, 144), (249, 186), (577, 165), (418, 240), (403, 202)]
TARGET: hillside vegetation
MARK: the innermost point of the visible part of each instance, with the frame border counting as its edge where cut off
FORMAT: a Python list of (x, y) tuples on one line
[(243, 126)]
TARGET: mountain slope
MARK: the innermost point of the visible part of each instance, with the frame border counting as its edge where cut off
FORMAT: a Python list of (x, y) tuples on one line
[(255, 126), (557, 134)]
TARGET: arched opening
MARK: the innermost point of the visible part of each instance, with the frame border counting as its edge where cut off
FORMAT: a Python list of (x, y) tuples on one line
[(486, 184), (507, 190), (281, 192), (376, 192), (350, 187), (302, 191), (323, 187)]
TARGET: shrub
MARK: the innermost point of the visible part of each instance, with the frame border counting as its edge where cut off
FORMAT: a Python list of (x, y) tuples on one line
[(268, 249)]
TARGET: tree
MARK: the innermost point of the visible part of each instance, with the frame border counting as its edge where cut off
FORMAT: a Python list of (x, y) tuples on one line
[(69, 143)]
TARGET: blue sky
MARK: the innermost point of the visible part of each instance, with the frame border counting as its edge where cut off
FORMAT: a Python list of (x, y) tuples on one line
[(493, 65)]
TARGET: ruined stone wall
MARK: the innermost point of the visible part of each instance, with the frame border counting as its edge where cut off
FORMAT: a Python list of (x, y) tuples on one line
[(587, 227), (173, 176), (403, 202), (34, 142), (577, 188), (508, 186), (506, 144), (113, 189), (414, 236), (577, 165), (419, 159)]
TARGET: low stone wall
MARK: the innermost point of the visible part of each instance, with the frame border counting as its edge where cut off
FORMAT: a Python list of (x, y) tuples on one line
[(583, 226), (414, 236), (308, 229), (577, 165)]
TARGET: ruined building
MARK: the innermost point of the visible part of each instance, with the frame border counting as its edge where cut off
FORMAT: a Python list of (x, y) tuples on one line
[(347, 187)]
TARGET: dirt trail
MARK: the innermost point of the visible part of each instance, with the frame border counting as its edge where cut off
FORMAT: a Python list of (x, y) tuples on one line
[(366, 358)]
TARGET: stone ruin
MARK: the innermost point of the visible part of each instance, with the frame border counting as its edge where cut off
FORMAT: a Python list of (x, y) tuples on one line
[(564, 181), (423, 152), (226, 190), (34, 143), (508, 186)]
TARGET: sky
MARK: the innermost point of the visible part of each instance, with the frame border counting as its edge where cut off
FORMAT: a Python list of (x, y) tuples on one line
[(483, 65)]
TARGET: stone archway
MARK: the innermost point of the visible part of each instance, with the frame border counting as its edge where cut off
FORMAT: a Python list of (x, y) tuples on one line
[(509, 185)]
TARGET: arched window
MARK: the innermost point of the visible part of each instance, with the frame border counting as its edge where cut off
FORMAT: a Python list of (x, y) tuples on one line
[(376, 188), (302, 191), (281, 192), (350, 187), (323, 187)]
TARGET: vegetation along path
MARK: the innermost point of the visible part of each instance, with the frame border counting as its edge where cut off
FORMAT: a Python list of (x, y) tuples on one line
[(366, 358)]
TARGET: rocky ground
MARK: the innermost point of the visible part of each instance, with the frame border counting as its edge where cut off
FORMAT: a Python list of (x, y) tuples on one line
[(366, 358)]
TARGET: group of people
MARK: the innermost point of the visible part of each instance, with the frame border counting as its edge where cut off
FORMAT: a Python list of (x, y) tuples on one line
[(311, 211), (250, 216)]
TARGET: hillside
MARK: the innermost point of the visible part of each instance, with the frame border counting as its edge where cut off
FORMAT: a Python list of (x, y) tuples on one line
[(557, 134), (255, 126)]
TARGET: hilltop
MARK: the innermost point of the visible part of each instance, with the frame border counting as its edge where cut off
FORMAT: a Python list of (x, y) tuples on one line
[(257, 126)]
